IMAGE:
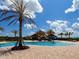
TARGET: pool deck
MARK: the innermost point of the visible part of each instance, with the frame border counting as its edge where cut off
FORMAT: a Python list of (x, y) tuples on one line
[(43, 52)]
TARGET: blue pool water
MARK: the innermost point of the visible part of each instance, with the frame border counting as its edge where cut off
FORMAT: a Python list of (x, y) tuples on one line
[(40, 44)]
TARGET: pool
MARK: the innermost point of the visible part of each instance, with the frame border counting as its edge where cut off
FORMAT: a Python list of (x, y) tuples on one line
[(57, 43)]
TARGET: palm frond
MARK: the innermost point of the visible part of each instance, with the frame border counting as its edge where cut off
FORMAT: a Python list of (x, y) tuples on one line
[(7, 18), (11, 22), (15, 22), (31, 20), (15, 3), (4, 13), (8, 11)]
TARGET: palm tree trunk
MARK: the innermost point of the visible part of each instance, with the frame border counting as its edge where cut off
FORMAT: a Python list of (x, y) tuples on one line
[(20, 31), (69, 36), (15, 34), (61, 36)]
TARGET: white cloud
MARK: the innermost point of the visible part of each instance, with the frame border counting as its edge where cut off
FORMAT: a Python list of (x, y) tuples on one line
[(69, 30), (48, 21), (42, 29), (78, 18), (59, 26), (32, 6), (75, 34), (74, 7), (57, 23), (76, 26), (0, 31), (3, 5), (4, 8), (30, 26), (32, 33)]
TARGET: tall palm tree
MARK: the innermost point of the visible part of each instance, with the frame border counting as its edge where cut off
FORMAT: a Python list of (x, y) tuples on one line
[(66, 34), (1, 29), (50, 35), (61, 34), (17, 13), (15, 32), (50, 32), (69, 34)]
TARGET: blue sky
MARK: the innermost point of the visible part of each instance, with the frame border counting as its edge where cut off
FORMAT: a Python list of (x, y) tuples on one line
[(54, 12)]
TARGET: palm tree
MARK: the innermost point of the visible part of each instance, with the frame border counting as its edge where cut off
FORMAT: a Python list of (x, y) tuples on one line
[(61, 34), (69, 34), (51, 35), (15, 32), (66, 34), (50, 32), (1, 29), (17, 13)]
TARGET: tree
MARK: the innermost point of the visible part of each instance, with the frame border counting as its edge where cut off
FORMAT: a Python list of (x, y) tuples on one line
[(15, 32), (17, 13), (51, 35), (50, 32), (69, 34), (66, 34), (1, 29), (61, 34)]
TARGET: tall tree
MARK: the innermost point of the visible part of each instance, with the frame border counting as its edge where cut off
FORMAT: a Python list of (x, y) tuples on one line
[(50, 35), (1, 29), (66, 34), (15, 32), (50, 32), (69, 34), (61, 34), (19, 13)]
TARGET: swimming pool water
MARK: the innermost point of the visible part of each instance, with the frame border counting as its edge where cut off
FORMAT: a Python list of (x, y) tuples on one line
[(40, 44)]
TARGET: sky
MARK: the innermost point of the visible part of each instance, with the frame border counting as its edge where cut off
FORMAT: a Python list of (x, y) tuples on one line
[(58, 15)]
